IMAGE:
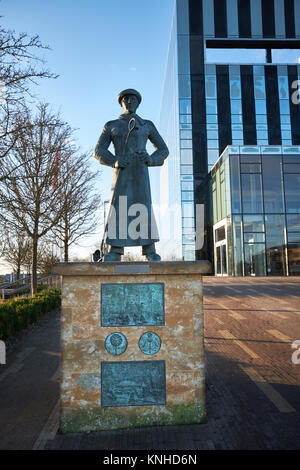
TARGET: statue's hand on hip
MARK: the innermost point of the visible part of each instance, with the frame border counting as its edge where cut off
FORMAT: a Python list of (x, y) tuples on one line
[(144, 157), (122, 162)]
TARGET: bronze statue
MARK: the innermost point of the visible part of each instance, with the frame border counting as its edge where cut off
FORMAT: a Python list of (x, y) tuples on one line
[(130, 192)]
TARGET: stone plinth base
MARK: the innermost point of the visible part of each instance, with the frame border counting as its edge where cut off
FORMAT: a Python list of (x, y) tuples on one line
[(132, 344)]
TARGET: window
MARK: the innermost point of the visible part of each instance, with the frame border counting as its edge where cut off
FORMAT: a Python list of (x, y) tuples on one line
[(187, 209), (186, 143), (214, 144), (291, 167), (261, 119), (212, 118), (187, 169), (262, 135), (220, 234), (188, 231), (283, 87), (293, 223), (259, 87), (235, 184), (260, 107), (188, 222), (185, 106), (250, 168), (188, 239), (294, 237), (211, 86), (185, 119), (273, 183), (237, 134), (275, 245), (255, 264), (184, 86), (185, 134), (254, 237), (250, 158), (238, 245), (284, 106), (236, 119), (212, 134), (236, 106), (187, 186), (183, 54), (235, 87), (285, 119), (292, 192), (252, 193), (286, 134), (187, 195), (213, 155), (211, 106), (253, 223), (186, 156)]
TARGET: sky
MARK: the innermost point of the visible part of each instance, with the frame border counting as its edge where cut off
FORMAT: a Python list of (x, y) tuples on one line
[(98, 48)]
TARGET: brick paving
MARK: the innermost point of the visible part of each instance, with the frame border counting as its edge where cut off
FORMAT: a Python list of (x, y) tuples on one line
[(252, 386)]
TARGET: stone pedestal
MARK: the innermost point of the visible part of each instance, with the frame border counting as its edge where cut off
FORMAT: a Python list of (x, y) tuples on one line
[(132, 344)]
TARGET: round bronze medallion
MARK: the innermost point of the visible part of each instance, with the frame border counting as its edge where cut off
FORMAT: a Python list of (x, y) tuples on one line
[(116, 344), (149, 343)]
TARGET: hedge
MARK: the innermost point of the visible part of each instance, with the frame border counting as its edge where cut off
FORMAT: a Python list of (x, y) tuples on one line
[(17, 314)]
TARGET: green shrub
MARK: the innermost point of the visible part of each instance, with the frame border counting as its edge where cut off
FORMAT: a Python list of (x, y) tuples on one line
[(17, 314)]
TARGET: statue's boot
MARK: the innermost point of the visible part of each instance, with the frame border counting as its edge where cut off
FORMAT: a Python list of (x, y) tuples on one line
[(150, 253), (153, 257), (114, 254)]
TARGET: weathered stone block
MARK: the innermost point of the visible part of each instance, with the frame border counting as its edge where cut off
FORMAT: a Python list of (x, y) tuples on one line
[(84, 355)]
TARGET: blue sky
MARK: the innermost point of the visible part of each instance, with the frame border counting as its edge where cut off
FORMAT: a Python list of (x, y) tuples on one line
[(98, 49)]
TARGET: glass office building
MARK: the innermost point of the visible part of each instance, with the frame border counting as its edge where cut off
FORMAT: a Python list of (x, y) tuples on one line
[(232, 79), (255, 201), (176, 177)]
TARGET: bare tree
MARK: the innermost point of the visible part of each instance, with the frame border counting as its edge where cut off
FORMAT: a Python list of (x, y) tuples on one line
[(30, 195), (80, 200), (46, 258), (16, 250), (20, 68)]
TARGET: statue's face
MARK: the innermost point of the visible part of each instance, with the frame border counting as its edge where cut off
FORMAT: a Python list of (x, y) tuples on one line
[(130, 104)]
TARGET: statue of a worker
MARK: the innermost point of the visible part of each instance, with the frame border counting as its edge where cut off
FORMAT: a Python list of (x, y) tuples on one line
[(130, 192)]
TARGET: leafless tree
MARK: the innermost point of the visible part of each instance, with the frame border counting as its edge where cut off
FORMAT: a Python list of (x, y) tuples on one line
[(47, 256), (20, 68), (16, 250), (80, 200), (30, 194)]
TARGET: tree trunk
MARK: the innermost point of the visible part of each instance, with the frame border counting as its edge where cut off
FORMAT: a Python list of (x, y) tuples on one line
[(19, 261), (66, 251), (34, 266)]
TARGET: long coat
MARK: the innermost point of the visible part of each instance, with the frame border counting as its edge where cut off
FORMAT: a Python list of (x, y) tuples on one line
[(131, 181)]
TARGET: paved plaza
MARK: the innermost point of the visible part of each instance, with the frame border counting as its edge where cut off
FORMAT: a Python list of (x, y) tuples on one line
[(252, 385)]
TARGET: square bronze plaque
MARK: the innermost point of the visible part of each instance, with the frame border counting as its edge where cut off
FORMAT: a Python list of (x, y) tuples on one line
[(132, 304), (133, 383)]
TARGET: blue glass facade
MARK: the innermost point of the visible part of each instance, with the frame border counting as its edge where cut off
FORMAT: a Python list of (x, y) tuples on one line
[(241, 105), (237, 127), (176, 178)]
